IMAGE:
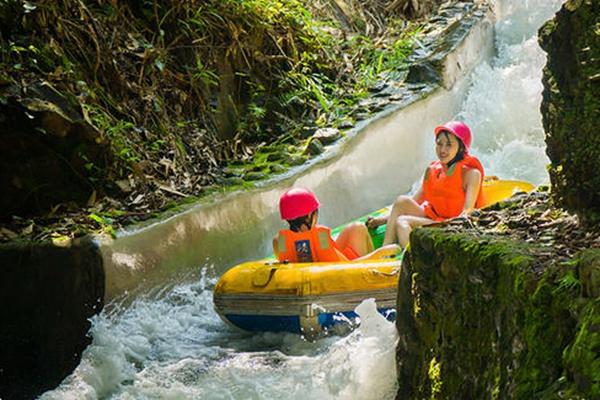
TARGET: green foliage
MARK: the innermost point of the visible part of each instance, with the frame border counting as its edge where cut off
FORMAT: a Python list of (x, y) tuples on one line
[(105, 223), (119, 134), (286, 63), (390, 58), (194, 85)]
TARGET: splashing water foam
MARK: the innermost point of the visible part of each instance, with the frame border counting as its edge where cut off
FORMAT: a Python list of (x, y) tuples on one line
[(177, 348), (503, 103)]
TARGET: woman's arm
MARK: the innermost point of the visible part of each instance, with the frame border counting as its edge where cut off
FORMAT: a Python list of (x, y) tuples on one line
[(472, 183), (418, 196)]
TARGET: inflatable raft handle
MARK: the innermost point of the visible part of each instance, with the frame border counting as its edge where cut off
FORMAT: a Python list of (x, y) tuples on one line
[(375, 271), (262, 276)]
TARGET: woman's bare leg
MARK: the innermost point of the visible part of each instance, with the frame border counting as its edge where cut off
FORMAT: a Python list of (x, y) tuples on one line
[(356, 235), (404, 205), (405, 225)]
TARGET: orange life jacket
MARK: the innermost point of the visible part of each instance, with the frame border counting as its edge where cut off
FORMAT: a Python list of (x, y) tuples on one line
[(443, 192), (314, 245)]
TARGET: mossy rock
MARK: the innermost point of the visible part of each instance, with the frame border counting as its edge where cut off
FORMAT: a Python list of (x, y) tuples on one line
[(478, 318), (581, 358), (255, 176), (571, 105), (277, 168), (294, 160), (314, 147)]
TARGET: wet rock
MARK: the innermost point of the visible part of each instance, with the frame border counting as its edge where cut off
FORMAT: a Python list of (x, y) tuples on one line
[(424, 71), (347, 124), (314, 147), (362, 116), (421, 52), (276, 156), (308, 131), (255, 176), (294, 160), (382, 94), (365, 103), (233, 171), (327, 135), (497, 300), (378, 87), (519, 257), (436, 19), (374, 104), (277, 168), (233, 180), (379, 105), (397, 96)]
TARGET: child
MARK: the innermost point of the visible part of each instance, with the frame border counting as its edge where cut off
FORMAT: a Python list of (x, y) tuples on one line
[(305, 241), (451, 187)]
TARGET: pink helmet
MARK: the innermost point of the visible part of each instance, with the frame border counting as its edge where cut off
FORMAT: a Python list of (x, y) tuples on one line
[(458, 129), (296, 203)]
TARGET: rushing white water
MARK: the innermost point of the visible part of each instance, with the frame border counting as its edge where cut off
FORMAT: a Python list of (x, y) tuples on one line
[(176, 347), (503, 103), (172, 345)]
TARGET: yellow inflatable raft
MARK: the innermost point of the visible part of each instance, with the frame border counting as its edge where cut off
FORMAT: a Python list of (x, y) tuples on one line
[(311, 298)]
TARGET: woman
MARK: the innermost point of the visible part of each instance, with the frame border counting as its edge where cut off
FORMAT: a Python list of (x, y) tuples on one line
[(451, 187)]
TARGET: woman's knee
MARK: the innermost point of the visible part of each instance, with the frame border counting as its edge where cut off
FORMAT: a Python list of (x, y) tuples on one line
[(402, 202)]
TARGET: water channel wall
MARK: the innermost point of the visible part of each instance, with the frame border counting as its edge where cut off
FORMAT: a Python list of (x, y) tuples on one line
[(49, 293)]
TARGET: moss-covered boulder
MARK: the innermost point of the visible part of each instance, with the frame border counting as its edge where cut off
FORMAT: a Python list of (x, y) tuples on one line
[(571, 104), (480, 317)]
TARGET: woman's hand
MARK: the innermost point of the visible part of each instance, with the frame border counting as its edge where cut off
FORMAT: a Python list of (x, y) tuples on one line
[(373, 223), (466, 213)]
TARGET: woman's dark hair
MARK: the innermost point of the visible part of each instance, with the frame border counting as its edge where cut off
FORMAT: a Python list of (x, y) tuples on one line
[(296, 224), (461, 148)]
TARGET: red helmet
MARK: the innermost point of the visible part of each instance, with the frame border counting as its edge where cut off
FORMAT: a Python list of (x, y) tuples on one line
[(458, 129), (296, 203)]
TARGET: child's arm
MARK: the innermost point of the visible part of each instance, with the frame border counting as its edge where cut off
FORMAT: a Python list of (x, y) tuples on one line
[(276, 247)]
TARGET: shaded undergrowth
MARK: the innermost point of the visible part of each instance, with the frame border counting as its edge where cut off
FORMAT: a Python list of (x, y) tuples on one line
[(170, 93)]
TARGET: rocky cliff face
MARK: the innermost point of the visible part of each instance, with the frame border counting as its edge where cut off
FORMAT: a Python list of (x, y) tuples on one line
[(478, 318), (48, 295), (571, 104)]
